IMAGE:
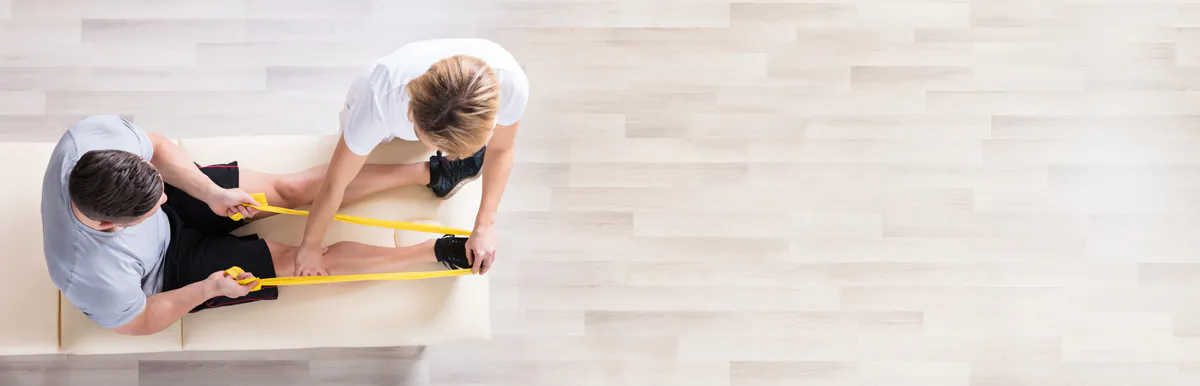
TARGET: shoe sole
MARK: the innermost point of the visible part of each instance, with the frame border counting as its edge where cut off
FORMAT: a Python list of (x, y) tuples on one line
[(461, 184)]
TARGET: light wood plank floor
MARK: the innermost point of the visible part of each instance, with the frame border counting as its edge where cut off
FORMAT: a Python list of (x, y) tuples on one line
[(724, 193)]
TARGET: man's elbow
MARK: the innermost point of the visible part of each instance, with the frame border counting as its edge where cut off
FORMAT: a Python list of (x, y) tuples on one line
[(132, 331), (135, 327)]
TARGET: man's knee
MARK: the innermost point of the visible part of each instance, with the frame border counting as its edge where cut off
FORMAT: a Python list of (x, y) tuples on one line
[(295, 191), (338, 247), (279, 249), (282, 256)]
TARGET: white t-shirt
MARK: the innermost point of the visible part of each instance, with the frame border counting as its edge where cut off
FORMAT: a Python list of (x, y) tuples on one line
[(377, 105)]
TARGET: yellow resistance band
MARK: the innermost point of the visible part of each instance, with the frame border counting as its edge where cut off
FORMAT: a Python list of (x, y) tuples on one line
[(371, 222), (304, 280)]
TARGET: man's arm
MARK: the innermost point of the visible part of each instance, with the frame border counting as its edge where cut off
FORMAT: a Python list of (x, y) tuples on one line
[(497, 165), (178, 170), (166, 308)]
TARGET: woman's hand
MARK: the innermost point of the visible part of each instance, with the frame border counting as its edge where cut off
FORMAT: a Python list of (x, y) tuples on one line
[(481, 249), (342, 169), (310, 262)]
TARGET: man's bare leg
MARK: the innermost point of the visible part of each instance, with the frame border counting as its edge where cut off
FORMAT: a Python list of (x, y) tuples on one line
[(349, 258), (299, 189)]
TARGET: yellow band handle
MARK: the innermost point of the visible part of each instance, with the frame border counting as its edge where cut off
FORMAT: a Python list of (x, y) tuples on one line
[(305, 280), (374, 222), (238, 271)]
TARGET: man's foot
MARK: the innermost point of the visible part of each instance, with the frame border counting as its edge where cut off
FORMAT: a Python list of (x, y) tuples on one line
[(447, 176), (451, 251)]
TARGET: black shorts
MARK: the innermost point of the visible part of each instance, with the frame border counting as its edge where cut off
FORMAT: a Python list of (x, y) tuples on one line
[(201, 243)]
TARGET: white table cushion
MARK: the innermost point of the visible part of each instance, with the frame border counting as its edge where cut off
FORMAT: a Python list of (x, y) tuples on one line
[(30, 321)]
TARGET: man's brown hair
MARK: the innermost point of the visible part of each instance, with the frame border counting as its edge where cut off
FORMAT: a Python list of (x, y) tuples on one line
[(455, 104), (114, 186)]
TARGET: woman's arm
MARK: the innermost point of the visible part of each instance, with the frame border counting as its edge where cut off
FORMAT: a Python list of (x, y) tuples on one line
[(497, 165), (342, 169)]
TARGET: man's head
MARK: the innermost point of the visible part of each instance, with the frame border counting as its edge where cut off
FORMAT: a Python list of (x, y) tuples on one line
[(115, 187), (453, 105)]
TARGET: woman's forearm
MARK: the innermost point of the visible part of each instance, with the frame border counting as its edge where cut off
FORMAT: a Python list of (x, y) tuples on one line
[(324, 206), (343, 167), (497, 165)]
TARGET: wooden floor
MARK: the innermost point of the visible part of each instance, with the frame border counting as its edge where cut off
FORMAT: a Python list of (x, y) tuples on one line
[(724, 193)]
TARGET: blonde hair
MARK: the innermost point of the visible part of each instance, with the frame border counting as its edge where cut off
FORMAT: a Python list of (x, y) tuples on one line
[(455, 104)]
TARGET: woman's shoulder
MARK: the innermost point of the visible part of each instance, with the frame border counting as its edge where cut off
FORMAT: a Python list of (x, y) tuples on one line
[(422, 54)]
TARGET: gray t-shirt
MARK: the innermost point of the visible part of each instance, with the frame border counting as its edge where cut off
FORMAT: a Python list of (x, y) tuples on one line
[(107, 275)]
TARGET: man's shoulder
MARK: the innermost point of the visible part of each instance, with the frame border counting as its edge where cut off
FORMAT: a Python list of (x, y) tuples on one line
[(103, 126)]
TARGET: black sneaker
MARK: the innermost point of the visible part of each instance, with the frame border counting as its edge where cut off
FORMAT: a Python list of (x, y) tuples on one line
[(447, 176), (451, 251)]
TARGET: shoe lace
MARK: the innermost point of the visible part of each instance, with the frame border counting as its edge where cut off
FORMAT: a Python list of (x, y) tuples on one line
[(453, 260), (459, 166)]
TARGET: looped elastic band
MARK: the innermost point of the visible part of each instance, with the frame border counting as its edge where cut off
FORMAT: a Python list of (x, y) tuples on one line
[(371, 222), (234, 272), (305, 280)]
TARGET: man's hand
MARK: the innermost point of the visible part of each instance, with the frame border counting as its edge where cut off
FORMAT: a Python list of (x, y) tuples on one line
[(220, 284), (227, 202), (310, 262), (481, 249)]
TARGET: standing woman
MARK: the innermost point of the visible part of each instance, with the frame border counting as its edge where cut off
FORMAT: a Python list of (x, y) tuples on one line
[(461, 97)]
